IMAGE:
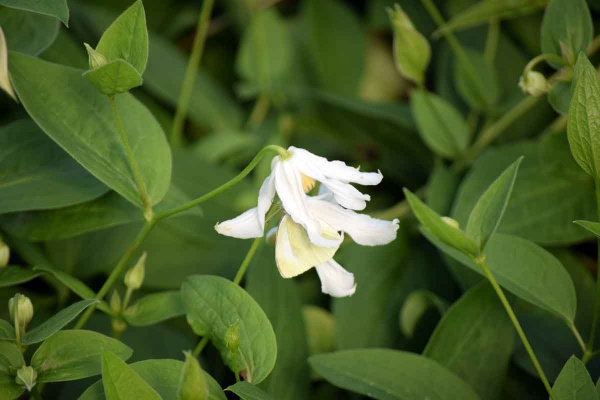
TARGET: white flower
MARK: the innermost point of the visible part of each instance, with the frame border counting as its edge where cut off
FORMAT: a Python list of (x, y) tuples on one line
[(291, 177)]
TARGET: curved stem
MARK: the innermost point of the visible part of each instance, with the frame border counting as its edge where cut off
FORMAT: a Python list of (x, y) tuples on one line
[(139, 181), (201, 346), (577, 335), (190, 73), (242, 270), (517, 325)]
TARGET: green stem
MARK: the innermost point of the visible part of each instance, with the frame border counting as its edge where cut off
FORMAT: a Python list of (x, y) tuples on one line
[(577, 335), (190, 73), (491, 43), (517, 325), (597, 298), (127, 298), (132, 163), (201, 346), (259, 112), (242, 270)]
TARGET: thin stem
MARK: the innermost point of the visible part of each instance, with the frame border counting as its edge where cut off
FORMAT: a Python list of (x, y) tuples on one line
[(577, 335), (491, 43), (201, 346), (240, 274), (597, 298), (259, 112), (190, 73), (226, 185), (517, 325), (139, 181)]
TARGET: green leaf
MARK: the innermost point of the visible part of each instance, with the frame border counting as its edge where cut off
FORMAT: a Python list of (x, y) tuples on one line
[(574, 382), (27, 32), (213, 304), (414, 308), (192, 385), (474, 331), (320, 329), (247, 391), (38, 174), (13, 275), (434, 224), (11, 359), (391, 375), (7, 331), (80, 120), (567, 29), (155, 308), (559, 97), (584, 118), (476, 81), (336, 44), (526, 270), (163, 376), (115, 77), (56, 322), (265, 54), (441, 126), (122, 382), (9, 389), (74, 354), (53, 8), (487, 213), (591, 226), (127, 38)]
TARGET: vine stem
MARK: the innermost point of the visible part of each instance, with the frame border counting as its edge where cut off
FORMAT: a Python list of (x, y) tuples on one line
[(139, 181), (201, 345), (242, 270), (190, 73), (517, 325)]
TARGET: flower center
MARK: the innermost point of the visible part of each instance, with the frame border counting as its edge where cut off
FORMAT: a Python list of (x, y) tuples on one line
[(308, 183)]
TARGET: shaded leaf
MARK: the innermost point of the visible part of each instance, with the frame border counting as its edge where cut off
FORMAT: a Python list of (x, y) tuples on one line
[(247, 391), (155, 308), (53, 8), (574, 382), (122, 382)]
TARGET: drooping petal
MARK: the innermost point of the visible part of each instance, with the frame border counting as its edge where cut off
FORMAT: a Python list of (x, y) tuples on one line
[(288, 184), (337, 170), (265, 199), (335, 280), (363, 229), (294, 252), (244, 226), (347, 195)]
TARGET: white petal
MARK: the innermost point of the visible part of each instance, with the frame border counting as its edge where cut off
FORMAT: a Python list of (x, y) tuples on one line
[(265, 199), (333, 169), (244, 226), (363, 229), (289, 188), (347, 195), (335, 280)]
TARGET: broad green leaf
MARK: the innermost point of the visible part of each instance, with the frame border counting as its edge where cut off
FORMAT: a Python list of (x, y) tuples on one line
[(9, 389), (4, 79), (115, 77), (213, 304), (122, 382), (441, 189), (80, 120), (38, 174), (415, 306), (155, 308), (11, 359), (441, 126), (127, 38), (441, 230), (13, 275), (26, 32), (474, 331), (336, 45), (281, 302), (476, 81), (7, 331), (163, 376), (56, 322), (550, 191), (584, 118), (559, 97), (191, 384), (574, 382), (391, 375), (74, 354), (526, 270), (567, 29), (265, 54), (53, 8), (487, 213), (591, 226), (320, 329), (247, 391)]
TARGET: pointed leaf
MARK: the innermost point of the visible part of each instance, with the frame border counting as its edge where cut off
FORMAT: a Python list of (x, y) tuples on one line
[(115, 77), (191, 384), (155, 308), (591, 226), (247, 391), (13, 275), (53, 8), (27, 32), (121, 382), (7, 331), (574, 382)]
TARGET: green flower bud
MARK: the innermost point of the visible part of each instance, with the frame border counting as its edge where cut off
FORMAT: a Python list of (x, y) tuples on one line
[(135, 276), (115, 302), (26, 376), (232, 338), (118, 326), (411, 50), (4, 254), (21, 311), (95, 59), (533, 83), (451, 221)]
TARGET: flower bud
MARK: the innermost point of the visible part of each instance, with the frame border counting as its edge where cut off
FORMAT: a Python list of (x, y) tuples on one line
[(21, 311), (451, 221), (4, 254), (95, 59), (118, 326), (26, 376), (115, 302), (533, 83), (232, 338), (411, 50), (135, 276)]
